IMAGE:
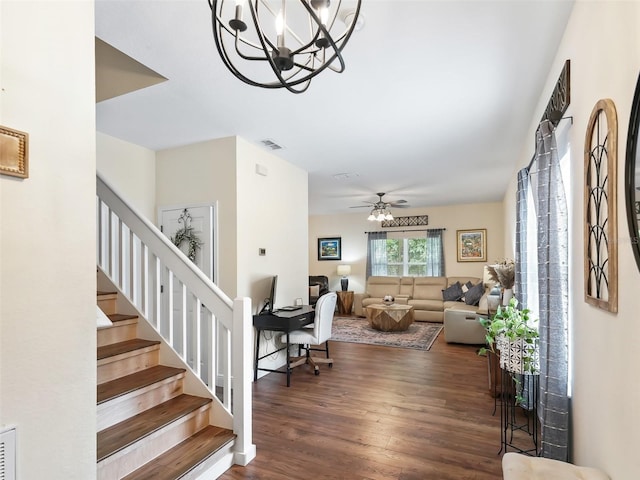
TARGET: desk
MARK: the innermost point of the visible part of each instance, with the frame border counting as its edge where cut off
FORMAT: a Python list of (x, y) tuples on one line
[(280, 322)]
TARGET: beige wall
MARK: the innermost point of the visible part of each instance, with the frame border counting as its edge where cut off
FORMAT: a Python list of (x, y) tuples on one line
[(603, 43), (205, 173), (131, 170), (272, 214), (352, 228), (47, 240)]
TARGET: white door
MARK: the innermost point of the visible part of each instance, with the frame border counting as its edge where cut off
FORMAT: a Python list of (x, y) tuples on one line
[(199, 220)]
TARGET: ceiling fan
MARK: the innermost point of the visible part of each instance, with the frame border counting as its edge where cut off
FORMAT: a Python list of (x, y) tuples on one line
[(380, 209), (381, 205)]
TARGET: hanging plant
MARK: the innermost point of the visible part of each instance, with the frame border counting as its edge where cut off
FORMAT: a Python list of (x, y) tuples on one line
[(186, 234)]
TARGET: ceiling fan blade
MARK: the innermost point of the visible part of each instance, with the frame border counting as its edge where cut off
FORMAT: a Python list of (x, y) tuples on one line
[(362, 206), (402, 205), (398, 201)]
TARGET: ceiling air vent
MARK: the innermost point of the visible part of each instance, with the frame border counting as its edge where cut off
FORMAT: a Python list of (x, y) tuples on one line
[(270, 144)]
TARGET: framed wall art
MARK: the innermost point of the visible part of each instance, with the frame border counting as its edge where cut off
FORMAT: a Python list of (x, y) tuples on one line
[(14, 153), (472, 245), (330, 248), (600, 207)]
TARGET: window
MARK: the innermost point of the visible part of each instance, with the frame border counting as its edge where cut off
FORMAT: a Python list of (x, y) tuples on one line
[(407, 254)]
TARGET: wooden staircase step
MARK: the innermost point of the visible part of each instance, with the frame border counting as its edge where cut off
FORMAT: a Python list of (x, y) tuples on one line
[(107, 301), (139, 380), (124, 327), (185, 456), (124, 358), (107, 352), (114, 439), (130, 395), (121, 318)]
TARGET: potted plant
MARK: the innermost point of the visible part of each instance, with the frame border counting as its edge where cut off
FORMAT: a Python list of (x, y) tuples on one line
[(513, 336)]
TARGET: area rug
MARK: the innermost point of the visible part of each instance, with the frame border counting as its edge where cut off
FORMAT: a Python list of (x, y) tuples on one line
[(420, 335)]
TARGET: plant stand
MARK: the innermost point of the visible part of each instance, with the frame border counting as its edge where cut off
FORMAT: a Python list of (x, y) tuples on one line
[(518, 413)]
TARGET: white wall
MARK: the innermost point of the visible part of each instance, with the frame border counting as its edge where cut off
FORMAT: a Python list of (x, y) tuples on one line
[(352, 227), (47, 239), (131, 170), (603, 43)]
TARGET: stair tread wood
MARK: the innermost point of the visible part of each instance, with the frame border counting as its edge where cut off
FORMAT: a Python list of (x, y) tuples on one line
[(114, 349), (115, 438), (129, 383), (181, 459), (109, 292), (120, 317)]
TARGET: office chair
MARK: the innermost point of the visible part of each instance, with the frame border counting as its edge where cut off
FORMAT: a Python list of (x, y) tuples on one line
[(314, 337)]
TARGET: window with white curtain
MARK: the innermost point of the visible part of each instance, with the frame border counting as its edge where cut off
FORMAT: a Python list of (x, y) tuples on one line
[(407, 254)]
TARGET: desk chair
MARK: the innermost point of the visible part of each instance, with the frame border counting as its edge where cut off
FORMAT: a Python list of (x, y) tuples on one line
[(316, 336)]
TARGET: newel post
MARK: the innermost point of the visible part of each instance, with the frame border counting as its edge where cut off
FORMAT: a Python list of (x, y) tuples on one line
[(242, 348)]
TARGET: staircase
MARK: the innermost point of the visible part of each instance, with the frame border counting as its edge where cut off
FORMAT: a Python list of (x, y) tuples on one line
[(148, 427)]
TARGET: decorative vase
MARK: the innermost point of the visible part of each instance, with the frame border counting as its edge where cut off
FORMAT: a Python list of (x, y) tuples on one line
[(507, 293), (388, 300)]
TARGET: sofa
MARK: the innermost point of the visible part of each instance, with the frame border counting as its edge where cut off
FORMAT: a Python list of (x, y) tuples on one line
[(425, 294)]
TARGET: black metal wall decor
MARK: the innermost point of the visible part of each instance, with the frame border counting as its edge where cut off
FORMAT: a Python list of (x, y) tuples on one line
[(412, 221), (560, 97), (600, 197)]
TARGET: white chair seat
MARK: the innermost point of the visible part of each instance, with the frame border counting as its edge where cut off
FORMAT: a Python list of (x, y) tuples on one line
[(516, 466)]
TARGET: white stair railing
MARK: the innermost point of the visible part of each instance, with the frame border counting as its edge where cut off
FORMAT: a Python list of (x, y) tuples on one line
[(209, 331)]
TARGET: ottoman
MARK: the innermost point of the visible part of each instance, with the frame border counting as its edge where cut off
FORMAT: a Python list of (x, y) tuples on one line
[(462, 326), (516, 466)]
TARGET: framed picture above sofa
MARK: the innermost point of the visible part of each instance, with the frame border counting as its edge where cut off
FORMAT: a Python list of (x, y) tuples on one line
[(330, 248), (472, 245)]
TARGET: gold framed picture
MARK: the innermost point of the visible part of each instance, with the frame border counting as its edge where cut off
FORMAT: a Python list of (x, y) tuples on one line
[(472, 245), (14, 152)]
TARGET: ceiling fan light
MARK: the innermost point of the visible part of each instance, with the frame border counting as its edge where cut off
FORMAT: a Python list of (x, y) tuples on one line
[(371, 217), (380, 217), (388, 216)]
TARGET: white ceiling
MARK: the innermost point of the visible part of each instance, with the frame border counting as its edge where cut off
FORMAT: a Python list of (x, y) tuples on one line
[(434, 105)]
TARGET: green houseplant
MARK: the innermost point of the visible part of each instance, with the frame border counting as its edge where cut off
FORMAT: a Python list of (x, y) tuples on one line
[(513, 336)]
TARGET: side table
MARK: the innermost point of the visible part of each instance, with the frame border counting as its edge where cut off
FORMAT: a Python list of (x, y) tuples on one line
[(345, 302)]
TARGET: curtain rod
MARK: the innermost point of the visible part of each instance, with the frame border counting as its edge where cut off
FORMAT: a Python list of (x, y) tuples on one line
[(554, 127), (402, 231)]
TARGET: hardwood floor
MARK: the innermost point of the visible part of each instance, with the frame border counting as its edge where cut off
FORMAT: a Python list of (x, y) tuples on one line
[(379, 413)]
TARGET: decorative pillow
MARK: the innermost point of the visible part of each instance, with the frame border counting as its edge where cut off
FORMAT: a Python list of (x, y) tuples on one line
[(473, 296), (453, 293), (467, 286), (314, 291)]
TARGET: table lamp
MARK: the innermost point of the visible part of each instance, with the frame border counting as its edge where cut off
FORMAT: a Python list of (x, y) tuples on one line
[(344, 270)]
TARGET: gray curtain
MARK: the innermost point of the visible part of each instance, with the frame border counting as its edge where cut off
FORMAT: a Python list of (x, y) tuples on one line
[(435, 253), (520, 285), (551, 210), (376, 253)]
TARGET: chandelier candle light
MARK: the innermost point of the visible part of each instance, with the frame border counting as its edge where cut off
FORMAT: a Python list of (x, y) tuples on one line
[(344, 270), (282, 43)]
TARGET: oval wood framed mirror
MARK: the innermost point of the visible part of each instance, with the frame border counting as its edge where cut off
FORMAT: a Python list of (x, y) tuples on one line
[(632, 175)]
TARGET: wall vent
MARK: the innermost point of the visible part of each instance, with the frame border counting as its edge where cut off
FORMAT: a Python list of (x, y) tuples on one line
[(8, 454)]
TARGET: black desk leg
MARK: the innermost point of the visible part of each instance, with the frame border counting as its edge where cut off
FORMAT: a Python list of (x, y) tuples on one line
[(288, 363), (255, 362)]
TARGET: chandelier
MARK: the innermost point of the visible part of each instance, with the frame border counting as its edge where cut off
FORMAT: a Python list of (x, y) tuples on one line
[(282, 44)]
